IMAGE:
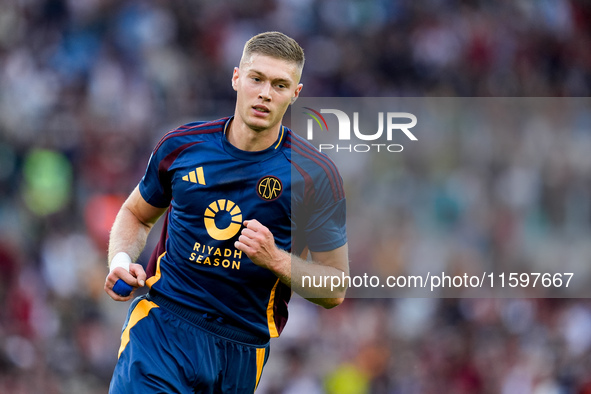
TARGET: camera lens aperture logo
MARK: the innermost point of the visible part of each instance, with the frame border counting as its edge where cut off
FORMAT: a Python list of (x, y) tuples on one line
[(316, 116)]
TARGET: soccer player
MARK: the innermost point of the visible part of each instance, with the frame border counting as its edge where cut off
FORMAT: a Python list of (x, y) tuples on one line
[(243, 200)]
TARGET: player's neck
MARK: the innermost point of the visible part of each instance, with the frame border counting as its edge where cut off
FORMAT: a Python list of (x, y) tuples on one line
[(247, 139)]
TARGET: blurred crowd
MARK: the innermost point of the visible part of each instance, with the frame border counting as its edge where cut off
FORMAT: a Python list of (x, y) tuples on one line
[(87, 87)]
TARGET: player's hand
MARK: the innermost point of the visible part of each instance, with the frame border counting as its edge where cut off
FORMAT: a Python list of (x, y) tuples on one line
[(136, 277), (258, 243)]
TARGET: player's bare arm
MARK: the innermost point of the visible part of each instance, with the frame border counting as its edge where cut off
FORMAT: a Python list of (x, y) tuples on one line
[(258, 243), (129, 234)]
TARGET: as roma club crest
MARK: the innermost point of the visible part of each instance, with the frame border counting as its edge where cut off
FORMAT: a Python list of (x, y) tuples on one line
[(269, 188)]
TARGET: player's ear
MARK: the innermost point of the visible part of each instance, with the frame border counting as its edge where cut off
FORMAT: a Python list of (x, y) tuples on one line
[(235, 75), (296, 94)]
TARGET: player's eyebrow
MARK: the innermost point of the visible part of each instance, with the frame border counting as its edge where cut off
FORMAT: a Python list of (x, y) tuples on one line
[(275, 80)]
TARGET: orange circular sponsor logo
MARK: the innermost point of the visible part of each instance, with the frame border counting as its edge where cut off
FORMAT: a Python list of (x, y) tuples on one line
[(218, 208)]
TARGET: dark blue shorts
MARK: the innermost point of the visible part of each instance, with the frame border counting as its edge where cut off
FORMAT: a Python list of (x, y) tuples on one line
[(166, 350)]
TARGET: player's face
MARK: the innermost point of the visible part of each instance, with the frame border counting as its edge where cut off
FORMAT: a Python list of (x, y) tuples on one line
[(265, 87)]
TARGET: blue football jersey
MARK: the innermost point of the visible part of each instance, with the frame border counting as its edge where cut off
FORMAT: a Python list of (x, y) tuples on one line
[(210, 187)]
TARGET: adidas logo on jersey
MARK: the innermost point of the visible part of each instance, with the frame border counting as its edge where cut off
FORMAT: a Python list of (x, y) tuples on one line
[(195, 176)]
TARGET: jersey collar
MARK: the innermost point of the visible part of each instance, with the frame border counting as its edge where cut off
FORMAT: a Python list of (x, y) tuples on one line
[(256, 155)]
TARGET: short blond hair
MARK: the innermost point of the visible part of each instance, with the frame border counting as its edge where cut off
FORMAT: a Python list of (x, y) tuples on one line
[(275, 44)]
